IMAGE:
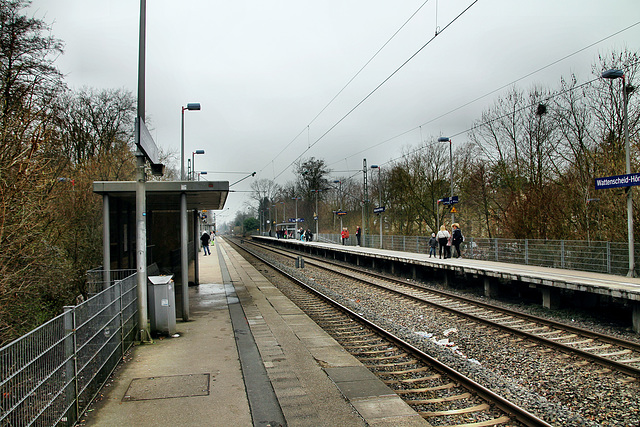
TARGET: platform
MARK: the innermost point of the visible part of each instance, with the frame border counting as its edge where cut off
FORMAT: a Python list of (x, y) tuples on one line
[(248, 356), (555, 287)]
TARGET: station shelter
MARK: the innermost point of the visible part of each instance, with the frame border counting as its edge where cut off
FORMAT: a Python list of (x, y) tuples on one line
[(173, 225)]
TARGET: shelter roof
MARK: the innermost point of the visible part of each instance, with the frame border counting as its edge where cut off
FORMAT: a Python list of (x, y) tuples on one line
[(165, 195)]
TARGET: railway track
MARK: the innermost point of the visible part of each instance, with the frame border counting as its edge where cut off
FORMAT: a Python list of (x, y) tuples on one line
[(440, 394), (610, 352)]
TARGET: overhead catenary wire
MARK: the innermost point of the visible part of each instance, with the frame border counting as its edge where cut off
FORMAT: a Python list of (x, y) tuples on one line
[(490, 93), (377, 87), (523, 108), (307, 128)]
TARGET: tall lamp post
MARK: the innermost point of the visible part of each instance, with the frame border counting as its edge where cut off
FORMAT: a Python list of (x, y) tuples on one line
[(193, 106), (612, 75), (379, 200), (193, 163), (445, 139)]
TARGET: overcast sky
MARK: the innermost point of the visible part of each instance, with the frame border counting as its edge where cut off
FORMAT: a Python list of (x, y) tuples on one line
[(264, 70)]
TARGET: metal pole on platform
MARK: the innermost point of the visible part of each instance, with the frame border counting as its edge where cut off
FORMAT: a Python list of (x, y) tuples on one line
[(184, 256), (144, 334), (106, 242), (615, 74)]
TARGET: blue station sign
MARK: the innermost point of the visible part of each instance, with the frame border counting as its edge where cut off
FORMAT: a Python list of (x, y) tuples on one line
[(378, 209), (618, 181), (448, 201)]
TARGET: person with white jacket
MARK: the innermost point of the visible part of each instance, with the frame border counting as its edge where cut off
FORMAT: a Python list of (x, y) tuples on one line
[(443, 238)]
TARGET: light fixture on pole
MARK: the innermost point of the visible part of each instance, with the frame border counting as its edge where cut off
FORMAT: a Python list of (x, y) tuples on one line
[(193, 106), (193, 163), (380, 200), (445, 139), (612, 75)]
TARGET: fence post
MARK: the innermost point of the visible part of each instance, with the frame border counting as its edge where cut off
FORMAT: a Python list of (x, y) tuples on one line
[(71, 387), (495, 242), (404, 243), (562, 253), (118, 292), (526, 251), (609, 257)]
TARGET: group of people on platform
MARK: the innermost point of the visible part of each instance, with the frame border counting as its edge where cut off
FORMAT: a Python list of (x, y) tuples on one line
[(302, 234), (445, 240)]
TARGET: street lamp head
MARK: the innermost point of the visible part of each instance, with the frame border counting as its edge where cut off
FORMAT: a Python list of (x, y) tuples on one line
[(612, 74), (192, 106), (375, 167), (444, 139), (336, 181), (203, 172), (199, 152)]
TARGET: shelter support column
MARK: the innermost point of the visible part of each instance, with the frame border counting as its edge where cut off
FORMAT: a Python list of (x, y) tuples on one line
[(196, 247), (184, 256), (635, 316), (106, 243)]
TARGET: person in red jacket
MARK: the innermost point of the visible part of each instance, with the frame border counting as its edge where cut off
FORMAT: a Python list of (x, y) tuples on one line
[(345, 235)]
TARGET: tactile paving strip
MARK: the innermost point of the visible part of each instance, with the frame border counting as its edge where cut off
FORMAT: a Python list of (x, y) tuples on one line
[(168, 387)]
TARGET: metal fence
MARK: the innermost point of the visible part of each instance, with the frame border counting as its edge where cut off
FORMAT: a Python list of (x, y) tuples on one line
[(98, 279), (598, 257), (50, 375)]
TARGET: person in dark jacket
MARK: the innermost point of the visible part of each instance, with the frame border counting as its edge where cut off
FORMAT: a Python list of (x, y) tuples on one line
[(358, 234), (457, 238), (205, 243), (433, 244)]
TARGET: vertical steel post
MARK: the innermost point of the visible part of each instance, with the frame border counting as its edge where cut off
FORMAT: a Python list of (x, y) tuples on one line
[(141, 226), (365, 207), (106, 243), (632, 261), (196, 246), (184, 256), (71, 369)]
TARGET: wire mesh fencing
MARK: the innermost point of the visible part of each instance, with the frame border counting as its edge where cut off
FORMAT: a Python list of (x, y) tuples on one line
[(593, 256), (50, 375)]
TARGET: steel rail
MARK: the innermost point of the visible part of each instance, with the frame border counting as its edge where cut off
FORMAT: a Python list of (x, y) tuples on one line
[(603, 361), (510, 408)]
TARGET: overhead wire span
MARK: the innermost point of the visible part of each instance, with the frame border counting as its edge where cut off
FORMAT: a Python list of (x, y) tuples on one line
[(507, 114), (491, 92), (346, 85), (378, 87)]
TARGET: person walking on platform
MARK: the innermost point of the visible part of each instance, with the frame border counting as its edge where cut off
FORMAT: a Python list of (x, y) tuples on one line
[(358, 234), (457, 238), (344, 235), (205, 243), (433, 243), (443, 237)]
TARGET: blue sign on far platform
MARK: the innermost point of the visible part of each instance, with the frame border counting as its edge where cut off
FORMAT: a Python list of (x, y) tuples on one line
[(618, 181), (446, 201)]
